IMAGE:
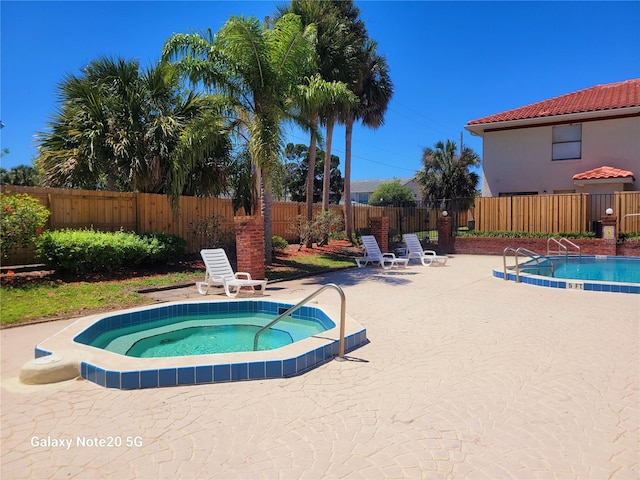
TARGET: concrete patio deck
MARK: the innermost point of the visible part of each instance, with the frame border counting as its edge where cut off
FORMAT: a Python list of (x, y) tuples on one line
[(465, 376)]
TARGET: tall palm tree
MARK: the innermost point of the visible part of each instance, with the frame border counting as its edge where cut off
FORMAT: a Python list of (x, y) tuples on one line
[(257, 67), (315, 96), (336, 44), (373, 86), (446, 175)]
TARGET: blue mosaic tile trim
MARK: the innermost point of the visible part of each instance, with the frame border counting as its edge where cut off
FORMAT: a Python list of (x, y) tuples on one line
[(39, 352), (571, 284), (201, 308), (204, 374)]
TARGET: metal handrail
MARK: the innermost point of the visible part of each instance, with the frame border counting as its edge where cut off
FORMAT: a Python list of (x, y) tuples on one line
[(577, 247), (530, 253), (343, 302), (561, 244)]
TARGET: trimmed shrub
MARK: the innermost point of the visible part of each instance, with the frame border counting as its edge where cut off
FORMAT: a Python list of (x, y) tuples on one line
[(278, 243), (22, 218), (82, 251)]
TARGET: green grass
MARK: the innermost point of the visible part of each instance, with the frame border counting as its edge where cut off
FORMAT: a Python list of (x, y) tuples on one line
[(53, 300)]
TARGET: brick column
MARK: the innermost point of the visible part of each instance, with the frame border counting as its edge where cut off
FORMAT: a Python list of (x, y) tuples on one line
[(609, 235), (250, 245), (380, 229), (446, 241)]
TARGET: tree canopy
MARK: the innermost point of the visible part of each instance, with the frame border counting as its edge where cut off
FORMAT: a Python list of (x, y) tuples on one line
[(297, 168), (121, 127), (392, 194), (446, 175)]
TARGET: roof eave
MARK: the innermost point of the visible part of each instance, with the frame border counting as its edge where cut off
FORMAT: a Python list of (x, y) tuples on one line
[(593, 181), (478, 129)]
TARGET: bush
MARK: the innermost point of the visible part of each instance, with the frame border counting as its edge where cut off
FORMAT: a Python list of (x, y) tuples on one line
[(88, 250), (510, 234), (320, 229), (302, 228), (23, 217), (325, 224), (278, 243), (212, 232)]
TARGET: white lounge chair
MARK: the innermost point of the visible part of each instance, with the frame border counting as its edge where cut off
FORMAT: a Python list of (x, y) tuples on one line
[(219, 272), (415, 250), (374, 255)]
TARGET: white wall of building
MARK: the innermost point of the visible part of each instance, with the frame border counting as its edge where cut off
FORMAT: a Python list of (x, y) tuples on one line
[(519, 160)]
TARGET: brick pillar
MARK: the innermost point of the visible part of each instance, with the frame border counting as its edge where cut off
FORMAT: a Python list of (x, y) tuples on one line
[(446, 241), (250, 245), (380, 229), (609, 235)]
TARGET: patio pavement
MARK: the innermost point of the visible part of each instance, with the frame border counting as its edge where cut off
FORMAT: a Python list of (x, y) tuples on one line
[(465, 376)]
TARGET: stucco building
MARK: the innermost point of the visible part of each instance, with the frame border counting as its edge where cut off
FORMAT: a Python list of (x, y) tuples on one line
[(585, 141)]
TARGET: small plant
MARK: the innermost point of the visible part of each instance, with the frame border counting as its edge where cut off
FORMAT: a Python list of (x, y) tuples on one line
[(278, 243), (212, 232), (23, 218), (301, 228), (325, 224)]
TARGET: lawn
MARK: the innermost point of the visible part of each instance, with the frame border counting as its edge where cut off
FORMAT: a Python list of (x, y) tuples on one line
[(47, 297)]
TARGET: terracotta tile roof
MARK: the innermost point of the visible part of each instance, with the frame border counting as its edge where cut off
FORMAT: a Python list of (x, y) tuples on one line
[(603, 173), (601, 97)]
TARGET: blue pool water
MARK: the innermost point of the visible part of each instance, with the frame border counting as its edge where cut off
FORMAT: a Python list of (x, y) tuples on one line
[(594, 273), (201, 334), (604, 269)]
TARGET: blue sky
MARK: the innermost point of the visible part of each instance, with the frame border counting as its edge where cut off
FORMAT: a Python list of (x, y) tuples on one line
[(450, 62)]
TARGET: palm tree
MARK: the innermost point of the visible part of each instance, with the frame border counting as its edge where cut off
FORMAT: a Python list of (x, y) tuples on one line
[(135, 130), (336, 44), (374, 89), (314, 97), (445, 175), (257, 67)]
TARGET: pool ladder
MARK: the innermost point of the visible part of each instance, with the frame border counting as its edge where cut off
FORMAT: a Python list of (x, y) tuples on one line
[(343, 303), (521, 251), (562, 246)]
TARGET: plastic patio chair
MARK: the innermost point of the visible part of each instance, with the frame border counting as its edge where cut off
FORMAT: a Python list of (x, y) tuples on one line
[(415, 250), (374, 255), (219, 272)]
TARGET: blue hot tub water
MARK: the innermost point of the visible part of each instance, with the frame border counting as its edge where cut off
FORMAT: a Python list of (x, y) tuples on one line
[(200, 332), (204, 334)]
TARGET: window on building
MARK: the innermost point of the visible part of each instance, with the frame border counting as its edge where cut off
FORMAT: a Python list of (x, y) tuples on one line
[(567, 142)]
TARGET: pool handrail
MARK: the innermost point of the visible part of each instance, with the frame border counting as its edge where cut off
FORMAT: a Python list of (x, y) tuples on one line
[(529, 253), (343, 302), (561, 245)]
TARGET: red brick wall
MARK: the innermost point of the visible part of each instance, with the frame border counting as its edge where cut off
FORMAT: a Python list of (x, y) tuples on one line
[(496, 246), (445, 240), (250, 245), (380, 230)]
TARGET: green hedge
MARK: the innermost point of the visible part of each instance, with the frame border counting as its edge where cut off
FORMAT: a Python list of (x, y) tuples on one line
[(510, 234), (93, 251)]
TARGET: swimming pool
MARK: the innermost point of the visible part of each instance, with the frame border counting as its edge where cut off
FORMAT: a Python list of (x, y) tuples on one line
[(301, 353), (586, 272)]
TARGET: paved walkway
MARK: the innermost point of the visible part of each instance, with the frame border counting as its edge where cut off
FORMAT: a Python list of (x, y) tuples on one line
[(466, 376)]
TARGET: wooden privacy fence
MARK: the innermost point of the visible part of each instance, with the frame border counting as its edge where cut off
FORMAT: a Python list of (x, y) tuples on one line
[(575, 213), (144, 212)]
